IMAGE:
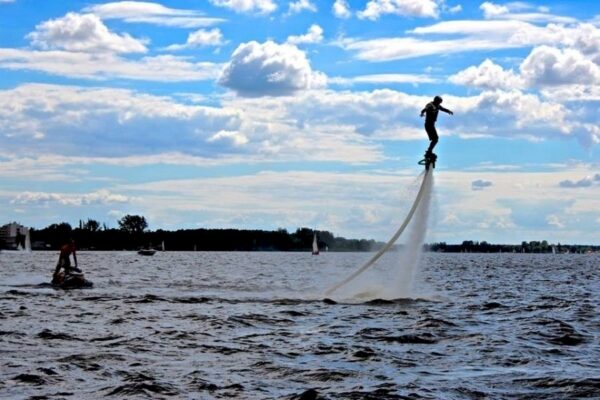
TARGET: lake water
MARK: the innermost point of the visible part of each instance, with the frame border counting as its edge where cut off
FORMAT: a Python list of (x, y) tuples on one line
[(203, 325)]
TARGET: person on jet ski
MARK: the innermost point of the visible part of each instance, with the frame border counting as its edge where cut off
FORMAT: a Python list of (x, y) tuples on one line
[(431, 112), (64, 261)]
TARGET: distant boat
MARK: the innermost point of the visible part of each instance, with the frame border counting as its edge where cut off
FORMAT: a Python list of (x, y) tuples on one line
[(553, 250), (146, 252), (162, 246), (315, 246)]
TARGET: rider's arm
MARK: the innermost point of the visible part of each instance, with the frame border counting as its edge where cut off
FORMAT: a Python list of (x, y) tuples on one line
[(445, 110)]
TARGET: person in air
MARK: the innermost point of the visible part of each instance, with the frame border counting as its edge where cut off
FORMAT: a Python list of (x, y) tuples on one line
[(64, 261), (431, 112)]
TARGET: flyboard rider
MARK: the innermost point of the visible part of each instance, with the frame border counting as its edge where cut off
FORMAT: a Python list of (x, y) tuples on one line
[(431, 112)]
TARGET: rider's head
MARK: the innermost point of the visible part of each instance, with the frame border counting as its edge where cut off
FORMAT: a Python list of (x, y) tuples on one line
[(437, 100)]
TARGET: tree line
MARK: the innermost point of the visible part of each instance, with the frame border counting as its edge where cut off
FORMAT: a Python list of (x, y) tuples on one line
[(470, 246), (132, 234)]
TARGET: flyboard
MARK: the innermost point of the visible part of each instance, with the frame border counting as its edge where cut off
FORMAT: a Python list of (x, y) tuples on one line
[(428, 161)]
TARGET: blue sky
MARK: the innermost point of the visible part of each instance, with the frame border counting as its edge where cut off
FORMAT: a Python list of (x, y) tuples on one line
[(269, 114)]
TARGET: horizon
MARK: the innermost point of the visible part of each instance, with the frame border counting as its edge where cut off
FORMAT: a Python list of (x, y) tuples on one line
[(293, 231), (271, 114)]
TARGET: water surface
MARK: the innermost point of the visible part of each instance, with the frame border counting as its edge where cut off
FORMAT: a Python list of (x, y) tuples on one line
[(206, 325)]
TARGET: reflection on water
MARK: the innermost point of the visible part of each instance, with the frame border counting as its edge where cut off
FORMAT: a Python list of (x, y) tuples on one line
[(255, 325)]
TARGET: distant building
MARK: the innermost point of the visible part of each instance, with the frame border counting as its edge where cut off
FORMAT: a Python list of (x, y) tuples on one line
[(13, 236)]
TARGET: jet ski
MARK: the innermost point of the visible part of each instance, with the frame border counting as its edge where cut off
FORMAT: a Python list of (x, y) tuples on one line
[(72, 280)]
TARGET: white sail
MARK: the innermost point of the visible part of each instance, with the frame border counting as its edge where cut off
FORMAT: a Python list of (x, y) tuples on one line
[(162, 245), (315, 246)]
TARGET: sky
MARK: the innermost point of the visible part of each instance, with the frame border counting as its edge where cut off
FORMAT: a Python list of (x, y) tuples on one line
[(268, 114)]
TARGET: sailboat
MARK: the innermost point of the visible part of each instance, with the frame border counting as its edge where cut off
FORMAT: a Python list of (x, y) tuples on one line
[(315, 246)]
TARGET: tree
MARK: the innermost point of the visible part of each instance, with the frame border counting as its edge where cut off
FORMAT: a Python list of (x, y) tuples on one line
[(91, 225), (133, 223)]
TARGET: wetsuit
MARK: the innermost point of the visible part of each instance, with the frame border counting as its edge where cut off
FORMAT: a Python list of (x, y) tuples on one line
[(431, 111)]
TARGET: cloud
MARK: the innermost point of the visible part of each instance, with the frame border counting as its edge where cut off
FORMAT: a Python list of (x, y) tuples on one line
[(551, 66), (475, 35), (314, 35), (200, 38), (103, 122), (341, 9), (83, 32), (544, 66), (381, 79), (582, 183), (480, 184), (99, 197), (488, 76), (296, 7), (152, 13), (125, 128), (511, 11), (165, 68), (269, 69), (236, 138), (454, 10), (554, 220), (247, 6), (413, 8)]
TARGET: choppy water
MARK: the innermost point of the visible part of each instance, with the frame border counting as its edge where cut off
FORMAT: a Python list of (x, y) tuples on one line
[(255, 326)]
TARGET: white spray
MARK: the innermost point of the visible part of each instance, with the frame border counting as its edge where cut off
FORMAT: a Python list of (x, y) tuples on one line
[(408, 260)]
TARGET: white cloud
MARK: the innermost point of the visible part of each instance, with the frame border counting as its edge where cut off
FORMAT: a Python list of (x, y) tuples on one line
[(488, 76), (491, 10), (341, 9), (108, 122), (314, 35), (122, 127), (269, 69), (473, 35), (152, 13), (164, 68), (236, 138), (455, 10), (551, 66), (99, 197), (382, 79), (413, 8), (200, 38), (298, 6), (511, 11), (247, 6), (83, 32), (554, 220), (572, 92), (577, 76)]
